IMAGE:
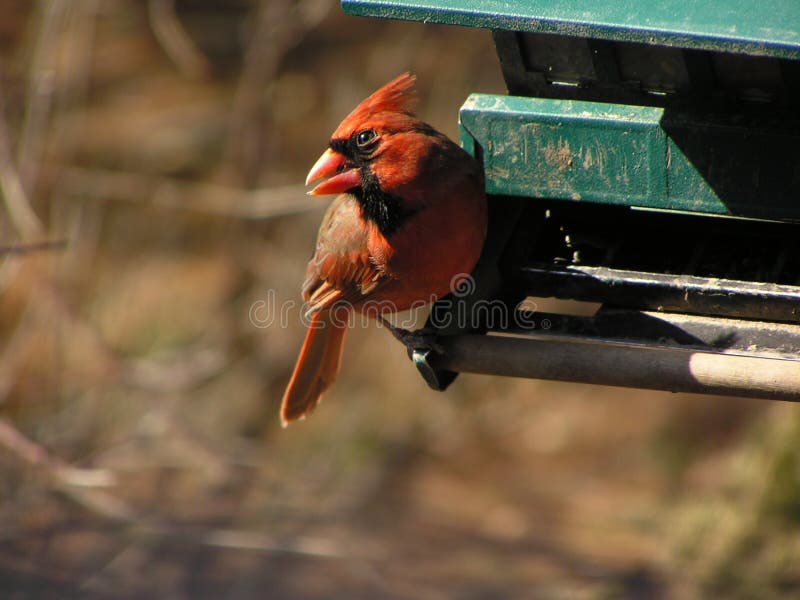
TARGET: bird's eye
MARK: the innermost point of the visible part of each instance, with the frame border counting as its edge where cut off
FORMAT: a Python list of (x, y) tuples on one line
[(365, 138)]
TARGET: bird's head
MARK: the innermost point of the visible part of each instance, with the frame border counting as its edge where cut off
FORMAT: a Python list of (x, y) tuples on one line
[(369, 139)]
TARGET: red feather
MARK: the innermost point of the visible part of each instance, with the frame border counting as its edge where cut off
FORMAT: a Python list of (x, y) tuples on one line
[(397, 96)]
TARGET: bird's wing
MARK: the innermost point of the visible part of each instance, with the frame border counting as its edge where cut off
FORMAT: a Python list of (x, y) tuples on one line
[(341, 270)]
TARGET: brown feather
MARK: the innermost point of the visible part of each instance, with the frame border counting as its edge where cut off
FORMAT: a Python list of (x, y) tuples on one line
[(341, 269)]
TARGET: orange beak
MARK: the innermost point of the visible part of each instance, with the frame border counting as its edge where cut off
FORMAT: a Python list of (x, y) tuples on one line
[(340, 175)]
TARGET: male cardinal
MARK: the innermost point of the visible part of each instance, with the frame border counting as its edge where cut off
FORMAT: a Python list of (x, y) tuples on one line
[(411, 215)]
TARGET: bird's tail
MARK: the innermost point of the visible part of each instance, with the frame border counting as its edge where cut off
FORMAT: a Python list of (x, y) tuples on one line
[(315, 370)]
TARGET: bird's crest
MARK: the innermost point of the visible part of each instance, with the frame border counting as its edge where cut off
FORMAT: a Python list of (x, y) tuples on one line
[(396, 96)]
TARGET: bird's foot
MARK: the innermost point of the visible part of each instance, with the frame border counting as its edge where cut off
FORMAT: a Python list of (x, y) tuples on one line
[(415, 339)]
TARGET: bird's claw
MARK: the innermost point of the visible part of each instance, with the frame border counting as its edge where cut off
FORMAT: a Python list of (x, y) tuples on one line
[(420, 340)]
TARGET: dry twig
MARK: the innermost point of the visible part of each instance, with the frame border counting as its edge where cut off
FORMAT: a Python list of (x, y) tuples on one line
[(78, 484), (174, 40), (165, 192), (17, 249), (273, 33), (16, 200), (40, 93)]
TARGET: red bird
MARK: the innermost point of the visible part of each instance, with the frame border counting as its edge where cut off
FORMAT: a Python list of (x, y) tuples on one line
[(410, 217)]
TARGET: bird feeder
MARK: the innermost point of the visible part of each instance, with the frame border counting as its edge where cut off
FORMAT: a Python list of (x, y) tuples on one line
[(646, 158)]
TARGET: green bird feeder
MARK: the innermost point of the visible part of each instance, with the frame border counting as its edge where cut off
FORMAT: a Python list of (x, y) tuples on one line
[(646, 158)]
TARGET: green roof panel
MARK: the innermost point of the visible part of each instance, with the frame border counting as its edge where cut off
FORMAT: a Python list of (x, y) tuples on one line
[(641, 156), (756, 27)]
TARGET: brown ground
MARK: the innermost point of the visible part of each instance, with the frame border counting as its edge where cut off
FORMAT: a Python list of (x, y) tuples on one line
[(140, 451)]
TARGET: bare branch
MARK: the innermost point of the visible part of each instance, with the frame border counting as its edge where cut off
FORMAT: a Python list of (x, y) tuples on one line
[(259, 542), (25, 448), (33, 247), (165, 192), (273, 33), (41, 87), (174, 40), (185, 372), (16, 200), (76, 483)]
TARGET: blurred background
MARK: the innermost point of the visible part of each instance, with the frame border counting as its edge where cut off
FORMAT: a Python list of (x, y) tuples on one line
[(152, 155)]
